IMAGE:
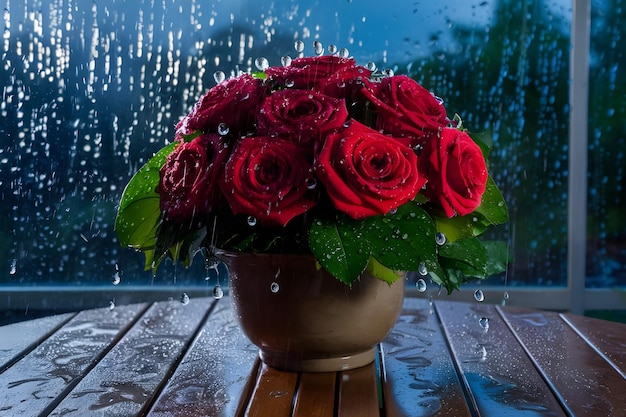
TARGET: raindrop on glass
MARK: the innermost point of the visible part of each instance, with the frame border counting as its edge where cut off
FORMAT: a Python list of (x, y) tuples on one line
[(484, 323), (332, 49), (223, 129), (344, 53), (422, 270), (219, 76), (251, 221), (218, 292), (371, 66), (285, 60), (318, 48), (184, 299), (299, 46), (261, 63), (274, 287), (440, 238), (421, 285), (479, 296)]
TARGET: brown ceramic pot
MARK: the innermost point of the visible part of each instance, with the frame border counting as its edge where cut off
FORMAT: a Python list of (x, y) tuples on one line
[(304, 319)]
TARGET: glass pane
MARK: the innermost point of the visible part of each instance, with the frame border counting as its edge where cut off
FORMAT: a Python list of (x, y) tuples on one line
[(606, 244), (92, 89)]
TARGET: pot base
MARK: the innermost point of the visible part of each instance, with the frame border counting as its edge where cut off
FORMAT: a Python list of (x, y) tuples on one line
[(280, 360)]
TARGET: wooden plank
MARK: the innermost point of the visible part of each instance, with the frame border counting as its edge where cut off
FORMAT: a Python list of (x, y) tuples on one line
[(606, 337), (584, 382), (273, 393), (44, 375), (358, 392), (19, 338), (128, 377), (500, 378), (211, 378), (316, 395), (418, 373)]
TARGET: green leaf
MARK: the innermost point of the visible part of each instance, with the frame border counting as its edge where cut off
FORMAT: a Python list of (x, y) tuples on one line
[(466, 255), (338, 247), (493, 207), (138, 213), (497, 257), (382, 272), (403, 240)]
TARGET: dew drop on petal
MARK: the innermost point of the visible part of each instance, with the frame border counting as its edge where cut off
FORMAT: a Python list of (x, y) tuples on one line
[(421, 285), (289, 83), (184, 299), (479, 296), (261, 63), (332, 49), (371, 66), (318, 48), (388, 72), (344, 53), (223, 129), (219, 76), (311, 183), (274, 287), (218, 292), (299, 46)]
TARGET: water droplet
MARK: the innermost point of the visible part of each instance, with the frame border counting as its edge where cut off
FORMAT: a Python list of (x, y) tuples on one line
[(117, 278), (13, 267), (484, 323), (299, 46), (111, 305), (393, 211), (289, 83), (371, 66), (344, 53), (388, 72), (223, 129), (218, 292), (421, 285), (332, 49), (285, 60), (440, 238), (318, 48), (251, 221), (311, 183), (479, 296), (184, 299), (506, 295), (219, 76), (422, 270), (274, 287), (261, 63)]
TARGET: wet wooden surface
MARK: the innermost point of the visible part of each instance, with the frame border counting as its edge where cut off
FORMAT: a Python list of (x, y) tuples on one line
[(441, 359)]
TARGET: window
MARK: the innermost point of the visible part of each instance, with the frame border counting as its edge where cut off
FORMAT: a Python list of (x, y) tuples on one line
[(92, 89)]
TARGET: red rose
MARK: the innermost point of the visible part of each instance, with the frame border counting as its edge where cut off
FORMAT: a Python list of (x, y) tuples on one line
[(456, 172), (310, 72), (405, 108), (266, 178), (187, 179), (300, 114), (233, 102), (367, 173)]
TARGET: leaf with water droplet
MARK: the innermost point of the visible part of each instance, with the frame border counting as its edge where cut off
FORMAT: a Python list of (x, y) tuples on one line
[(467, 256)]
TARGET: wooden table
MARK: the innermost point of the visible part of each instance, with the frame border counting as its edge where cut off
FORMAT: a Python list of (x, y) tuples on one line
[(441, 359)]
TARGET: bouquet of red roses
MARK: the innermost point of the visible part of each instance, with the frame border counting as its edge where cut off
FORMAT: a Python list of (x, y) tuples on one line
[(363, 170)]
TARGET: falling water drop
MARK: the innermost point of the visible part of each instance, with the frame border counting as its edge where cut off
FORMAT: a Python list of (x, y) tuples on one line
[(285, 60), (422, 270), (117, 278), (421, 285), (274, 287), (184, 299), (219, 76), (261, 63), (299, 46), (440, 238), (111, 305), (484, 323), (479, 296), (218, 292), (318, 48), (13, 267), (251, 221)]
